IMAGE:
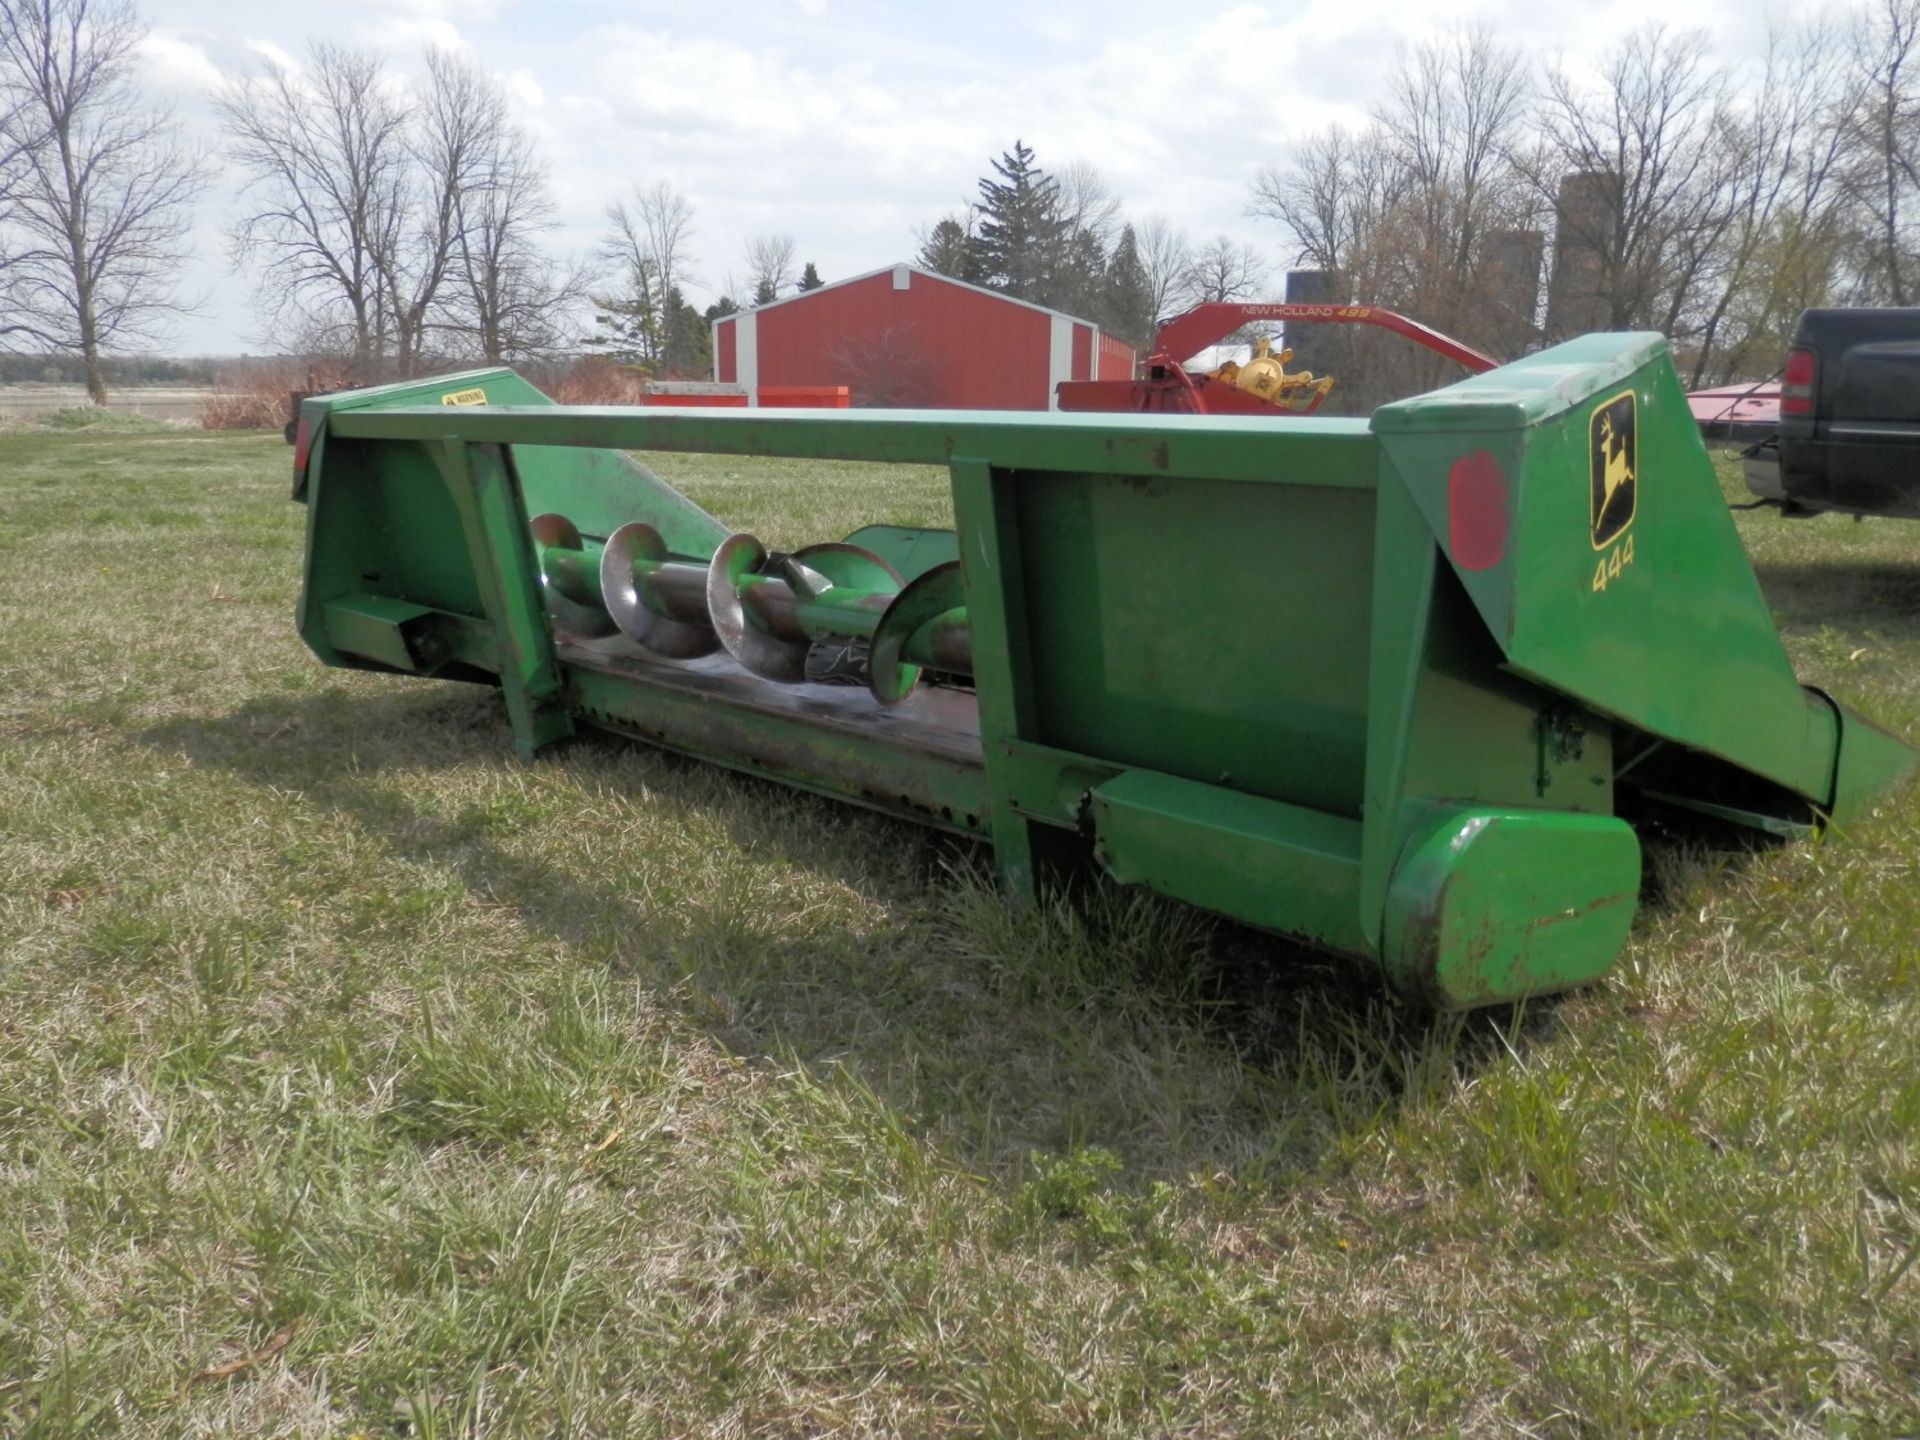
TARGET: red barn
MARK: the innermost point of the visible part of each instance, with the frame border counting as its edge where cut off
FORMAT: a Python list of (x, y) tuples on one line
[(904, 336)]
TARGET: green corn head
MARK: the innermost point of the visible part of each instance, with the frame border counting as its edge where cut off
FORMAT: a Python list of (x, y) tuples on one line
[(1393, 687)]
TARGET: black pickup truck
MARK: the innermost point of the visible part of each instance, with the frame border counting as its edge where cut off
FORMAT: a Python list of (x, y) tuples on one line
[(1849, 436)]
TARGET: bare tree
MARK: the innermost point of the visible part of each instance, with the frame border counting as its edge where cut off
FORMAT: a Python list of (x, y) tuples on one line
[(1452, 111), (1166, 258), (769, 266), (1783, 174), (886, 369), (459, 128), (1085, 203), (1311, 196), (648, 246), (389, 222), (1682, 201), (1450, 121), (1084, 223), (1333, 197), (102, 186), (326, 159), (1224, 269), (665, 219), (19, 135), (1884, 134), (1422, 209), (1650, 126), (512, 299)]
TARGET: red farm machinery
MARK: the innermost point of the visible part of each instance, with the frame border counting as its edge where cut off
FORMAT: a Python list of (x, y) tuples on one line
[(1260, 385)]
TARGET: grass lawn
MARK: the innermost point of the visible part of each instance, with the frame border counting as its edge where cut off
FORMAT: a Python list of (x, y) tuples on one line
[(357, 1079)]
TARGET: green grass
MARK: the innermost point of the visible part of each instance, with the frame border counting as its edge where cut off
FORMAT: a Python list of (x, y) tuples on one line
[(357, 1079), (83, 417)]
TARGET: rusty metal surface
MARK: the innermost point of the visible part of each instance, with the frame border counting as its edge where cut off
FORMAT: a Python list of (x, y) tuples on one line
[(934, 721)]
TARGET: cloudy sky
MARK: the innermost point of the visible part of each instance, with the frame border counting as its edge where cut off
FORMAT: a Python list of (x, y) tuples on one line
[(850, 124)]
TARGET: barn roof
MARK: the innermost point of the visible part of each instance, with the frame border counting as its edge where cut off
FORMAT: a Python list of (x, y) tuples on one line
[(912, 269)]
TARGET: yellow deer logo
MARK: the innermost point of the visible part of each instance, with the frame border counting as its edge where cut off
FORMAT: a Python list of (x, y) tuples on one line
[(1614, 456), (1616, 468)]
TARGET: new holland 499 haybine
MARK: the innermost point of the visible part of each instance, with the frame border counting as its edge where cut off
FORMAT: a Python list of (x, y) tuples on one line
[(1399, 687)]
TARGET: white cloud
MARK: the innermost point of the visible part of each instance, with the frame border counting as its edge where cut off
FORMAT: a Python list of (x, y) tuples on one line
[(470, 11), (280, 59), (853, 153), (852, 133), (525, 90), (407, 34), (170, 63)]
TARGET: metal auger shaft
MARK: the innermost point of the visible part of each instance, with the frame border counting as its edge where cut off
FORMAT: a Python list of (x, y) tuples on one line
[(767, 610)]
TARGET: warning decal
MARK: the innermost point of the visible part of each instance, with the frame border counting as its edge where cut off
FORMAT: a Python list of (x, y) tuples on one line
[(465, 397)]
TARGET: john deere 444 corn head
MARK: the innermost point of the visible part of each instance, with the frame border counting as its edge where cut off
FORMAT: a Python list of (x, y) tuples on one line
[(1395, 687)]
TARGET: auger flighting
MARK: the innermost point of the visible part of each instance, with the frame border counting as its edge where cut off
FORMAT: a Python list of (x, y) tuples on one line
[(842, 605)]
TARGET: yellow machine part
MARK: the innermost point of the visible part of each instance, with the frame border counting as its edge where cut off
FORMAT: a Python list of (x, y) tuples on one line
[(1265, 375)]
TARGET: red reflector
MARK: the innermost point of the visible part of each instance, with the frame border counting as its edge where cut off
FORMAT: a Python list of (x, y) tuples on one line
[(1796, 404), (1800, 368), (1477, 511)]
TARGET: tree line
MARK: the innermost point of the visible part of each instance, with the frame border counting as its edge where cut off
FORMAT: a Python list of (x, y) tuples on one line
[(1659, 191), (402, 222), (96, 186), (642, 316), (394, 224)]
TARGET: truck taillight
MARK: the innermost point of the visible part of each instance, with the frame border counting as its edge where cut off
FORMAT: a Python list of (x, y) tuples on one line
[(302, 442), (1797, 381)]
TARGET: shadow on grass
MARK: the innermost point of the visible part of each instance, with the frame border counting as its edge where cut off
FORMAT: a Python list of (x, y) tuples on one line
[(1851, 595), (1100, 1018)]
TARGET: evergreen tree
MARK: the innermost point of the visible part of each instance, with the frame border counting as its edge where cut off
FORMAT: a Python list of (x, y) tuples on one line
[(648, 247), (723, 306), (948, 251), (1127, 303), (633, 327), (1020, 231), (689, 349), (1077, 280), (810, 278), (764, 293)]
